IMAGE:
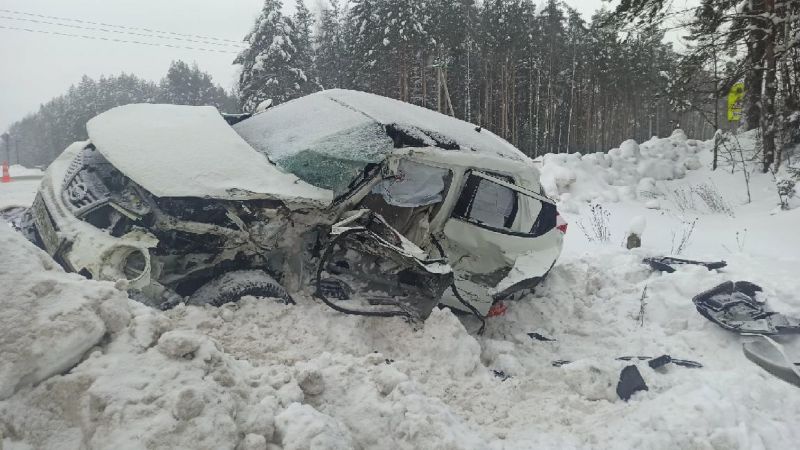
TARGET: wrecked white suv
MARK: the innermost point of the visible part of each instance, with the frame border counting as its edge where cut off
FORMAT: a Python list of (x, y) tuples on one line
[(338, 192)]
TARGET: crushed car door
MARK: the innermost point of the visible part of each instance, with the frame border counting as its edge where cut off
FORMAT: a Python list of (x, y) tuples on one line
[(499, 238)]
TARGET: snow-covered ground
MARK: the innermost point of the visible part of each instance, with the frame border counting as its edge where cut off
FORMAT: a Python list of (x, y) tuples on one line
[(259, 374)]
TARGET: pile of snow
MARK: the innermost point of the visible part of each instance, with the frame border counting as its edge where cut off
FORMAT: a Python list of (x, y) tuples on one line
[(261, 373), (622, 173)]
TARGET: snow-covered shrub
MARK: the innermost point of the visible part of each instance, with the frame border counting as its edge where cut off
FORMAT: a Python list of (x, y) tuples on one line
[(682, 198), (713, 198), (682, 237), (597, 230), (786, 191)]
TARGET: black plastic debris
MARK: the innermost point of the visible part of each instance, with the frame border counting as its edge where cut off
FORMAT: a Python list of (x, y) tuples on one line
[(540, 337), (500, 374), (733, 306), (678, 362), (667, 263), (686, 363), (661, 361), (630, 382)]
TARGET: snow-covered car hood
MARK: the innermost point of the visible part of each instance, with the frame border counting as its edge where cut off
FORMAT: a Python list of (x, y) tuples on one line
[(190, 151)]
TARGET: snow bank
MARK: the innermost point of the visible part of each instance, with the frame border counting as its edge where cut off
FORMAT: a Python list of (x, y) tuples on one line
[(261, 373), (49, 319), (622, 173), (16, 170)]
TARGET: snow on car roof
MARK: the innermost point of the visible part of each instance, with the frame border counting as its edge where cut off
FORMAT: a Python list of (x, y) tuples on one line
[(190, 151), (316, 119)]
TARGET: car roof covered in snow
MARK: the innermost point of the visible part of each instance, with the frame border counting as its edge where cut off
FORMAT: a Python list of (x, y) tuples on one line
[(190, 151), (343, 122)]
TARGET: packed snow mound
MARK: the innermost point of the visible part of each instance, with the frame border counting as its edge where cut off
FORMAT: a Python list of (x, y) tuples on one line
[(49, 319), (619, 174), (260, 373)]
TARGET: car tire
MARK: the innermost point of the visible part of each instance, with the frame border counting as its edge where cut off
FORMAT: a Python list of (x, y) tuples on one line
[(232, 286)]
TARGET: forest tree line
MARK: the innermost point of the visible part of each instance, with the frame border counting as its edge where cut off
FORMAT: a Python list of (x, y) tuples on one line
[(755, 41), (546, 80), (39, 138)]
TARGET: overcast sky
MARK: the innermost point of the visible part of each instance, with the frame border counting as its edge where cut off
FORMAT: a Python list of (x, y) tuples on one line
[(36, 67)]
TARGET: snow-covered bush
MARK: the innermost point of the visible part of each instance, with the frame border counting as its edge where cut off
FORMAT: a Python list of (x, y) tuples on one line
[(598, 229), (786, 191), (713, 198)]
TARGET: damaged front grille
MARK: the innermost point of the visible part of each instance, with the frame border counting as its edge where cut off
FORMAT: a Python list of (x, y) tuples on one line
[(83, 190)]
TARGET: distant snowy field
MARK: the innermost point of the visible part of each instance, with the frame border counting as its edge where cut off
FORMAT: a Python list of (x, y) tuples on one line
[(84, 366)]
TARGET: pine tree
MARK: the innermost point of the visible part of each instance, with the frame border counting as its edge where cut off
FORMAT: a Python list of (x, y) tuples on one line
[(364, 43), (185, 85), (269, 69), (330, 58), (304, 49)]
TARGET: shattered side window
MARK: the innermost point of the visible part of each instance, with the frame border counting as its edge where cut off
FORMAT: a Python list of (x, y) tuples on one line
[(487, 203), (414, 185)]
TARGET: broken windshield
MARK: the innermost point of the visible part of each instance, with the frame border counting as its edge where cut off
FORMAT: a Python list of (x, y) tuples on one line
[(334, 161)]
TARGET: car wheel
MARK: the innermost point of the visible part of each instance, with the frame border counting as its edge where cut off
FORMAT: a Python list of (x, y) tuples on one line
[(232, 286)]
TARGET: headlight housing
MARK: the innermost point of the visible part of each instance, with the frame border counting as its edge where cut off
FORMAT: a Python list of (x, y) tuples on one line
[(128, 263)]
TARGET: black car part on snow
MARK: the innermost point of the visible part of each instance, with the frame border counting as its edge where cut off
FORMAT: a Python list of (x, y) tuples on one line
[(667, 263), (663, 360), (630, 382), (654, 363), (733, 306)]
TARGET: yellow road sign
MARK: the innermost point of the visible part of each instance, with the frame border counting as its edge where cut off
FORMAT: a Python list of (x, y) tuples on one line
[(735, 99)]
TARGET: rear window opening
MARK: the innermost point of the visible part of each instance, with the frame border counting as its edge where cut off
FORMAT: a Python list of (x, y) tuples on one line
[(487, 203), (490, 202)]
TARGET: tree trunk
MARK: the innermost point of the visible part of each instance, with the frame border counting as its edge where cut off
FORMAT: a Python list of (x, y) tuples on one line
[(768, 125)]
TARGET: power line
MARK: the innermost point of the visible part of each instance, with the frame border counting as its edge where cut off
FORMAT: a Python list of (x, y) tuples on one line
[(109, 39), (126, 27), (105, 30)]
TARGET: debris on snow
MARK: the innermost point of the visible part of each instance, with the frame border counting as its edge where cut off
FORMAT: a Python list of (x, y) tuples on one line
[(630, 382), (667, 263), (734, 307), (771, 356)]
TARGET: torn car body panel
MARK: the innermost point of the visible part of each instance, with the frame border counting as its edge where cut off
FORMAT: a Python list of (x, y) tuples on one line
[(383, 260)]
